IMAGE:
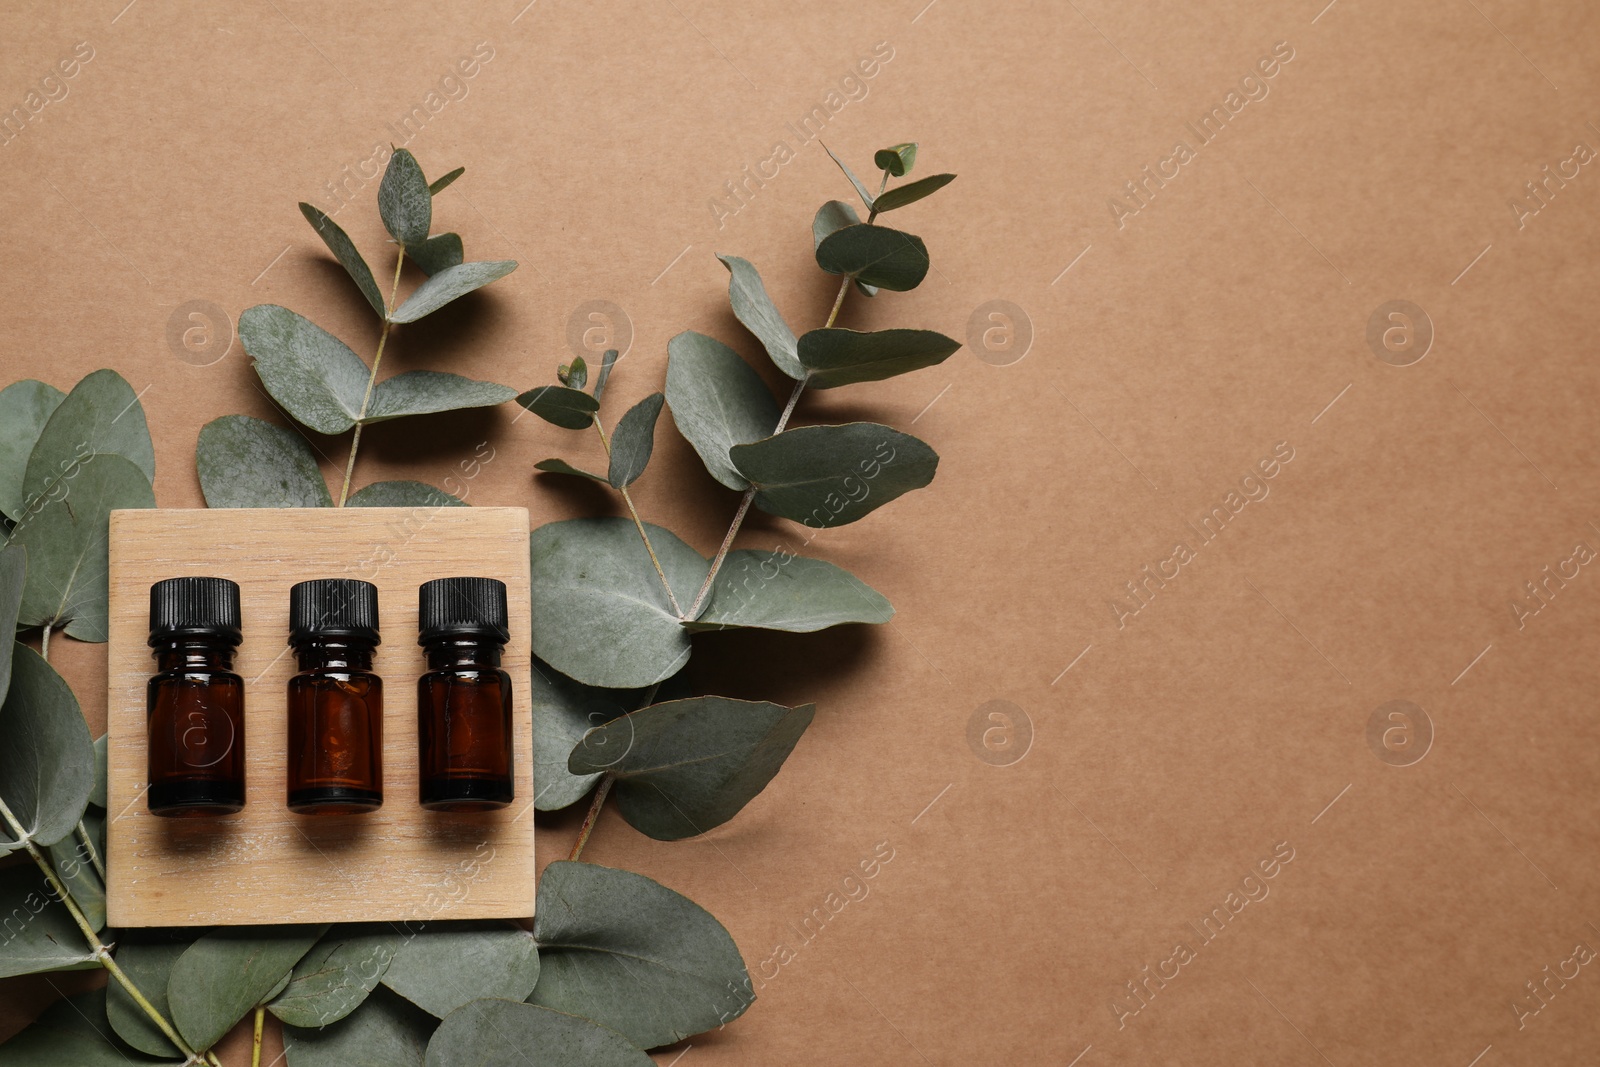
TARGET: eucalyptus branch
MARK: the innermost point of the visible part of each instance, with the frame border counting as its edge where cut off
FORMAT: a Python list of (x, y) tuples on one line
[(44, 643), (255, 1044), (372, 379), (627, 498)]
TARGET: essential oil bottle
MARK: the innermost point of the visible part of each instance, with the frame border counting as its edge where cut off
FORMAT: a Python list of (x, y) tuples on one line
[(194, 701), (336, 701), (464, 699)]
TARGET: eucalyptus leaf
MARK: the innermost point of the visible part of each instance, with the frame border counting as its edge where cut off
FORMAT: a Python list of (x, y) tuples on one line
[(833, 216), (628, 952), (861, 190), (146, 956), (450, 284), (386, 1031), (717, 401), (101, 416), (443, 182), (563, 711), (826, 476), (781, 591), (500, 1033), (97, 796), (13, 578), (39, 933), (875, 255), (402, 494), (600, 613), (334, 978), (760, 315), (68, 1034), (66, 536), (835, 357), (633, 441), (46, 754), (911, 192), (312, 373), (404, 201), (571, 409), (446, 965), (422, 392), (688, 766), (896, 159), (575, 376), (607, 361), (438, 253), (344, 250), (248, 463), (25, 407), (226, 973), (74, 866), (561, 466)]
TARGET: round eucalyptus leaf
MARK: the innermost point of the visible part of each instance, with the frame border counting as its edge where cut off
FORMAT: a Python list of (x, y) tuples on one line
[(40, 934), (423, 392), (781, 591), (760, 315), (563, 711), (13, 579), (502, 1033), (67, 1035), (717, 401), (74, 866), (437, 253), (450, 284), (835, 357), (600, 614), (687, 766), (146, 956), (568, 408), (561, 466), (222, 977), (633, 441), (25, 407), (404, 201), (385, 1031), (861, 190), (344, 250), (248, 463), (46, 754), (896, 159), (445, 965), (632, 954), (312, 373), (826, 476), (832, 216), (402, 494), (911, 192), (101, 416), (875, 255), (334, 978)]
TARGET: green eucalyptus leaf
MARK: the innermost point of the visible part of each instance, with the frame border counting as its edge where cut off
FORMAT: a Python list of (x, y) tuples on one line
[(632, 954), (221, 977), (575, 376), (563, 711), (781, 591), (717, 401), (422, 392), (446, 965), (826, 476), (248, 463), (875, 255), (13, 579), (46, 754), (450, 284), (600, 614), (312, 373), (688, 766), (386, 1031), (567, 408), (25, 407), (97, 796), (101, 416), (500, 1033), (146, 956), (437, 253), (440, 184), (896, 159), (402, 494), (861, 190), (911, 192), (833, 216), (607, 361), (561, 466), (404, 201), (39, 933), (68, 1035), (334, 978), (74, 866), (760, 315), (634, 440), (835, 357), (344, 250)]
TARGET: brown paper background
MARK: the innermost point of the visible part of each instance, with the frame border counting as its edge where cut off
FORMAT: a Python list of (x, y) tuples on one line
[(1178, 351)]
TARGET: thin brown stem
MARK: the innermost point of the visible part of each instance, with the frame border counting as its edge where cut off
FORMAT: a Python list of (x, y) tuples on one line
[(627, 498), (594, 813), (44, 643), (372, 379)]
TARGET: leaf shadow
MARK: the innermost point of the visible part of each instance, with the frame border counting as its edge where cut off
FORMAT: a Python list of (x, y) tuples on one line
[(781, 667)]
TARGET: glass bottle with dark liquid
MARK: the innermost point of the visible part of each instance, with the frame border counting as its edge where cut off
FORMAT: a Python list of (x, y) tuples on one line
[(194, 701), (336, 701), (464, 699)]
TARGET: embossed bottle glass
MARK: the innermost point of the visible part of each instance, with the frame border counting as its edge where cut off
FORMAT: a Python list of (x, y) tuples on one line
[(336, 701), (464, 729)]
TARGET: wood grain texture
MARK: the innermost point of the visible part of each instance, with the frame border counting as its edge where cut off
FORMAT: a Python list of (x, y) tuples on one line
[(266, 864)]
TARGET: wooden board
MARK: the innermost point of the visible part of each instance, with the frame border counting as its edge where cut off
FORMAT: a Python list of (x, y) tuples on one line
[(266, 864)]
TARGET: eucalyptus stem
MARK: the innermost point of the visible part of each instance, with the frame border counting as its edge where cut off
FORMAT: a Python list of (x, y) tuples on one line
[(44, 643), (627, 498), (594, 813), (101, 953), (372, 379), (255, 1045)]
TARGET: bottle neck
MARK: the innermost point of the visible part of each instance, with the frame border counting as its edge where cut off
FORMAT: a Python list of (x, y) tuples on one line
[(349, 653), (193, 653), (445, 652)]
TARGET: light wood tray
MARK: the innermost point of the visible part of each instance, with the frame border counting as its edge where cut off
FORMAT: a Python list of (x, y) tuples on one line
[(265, 864)]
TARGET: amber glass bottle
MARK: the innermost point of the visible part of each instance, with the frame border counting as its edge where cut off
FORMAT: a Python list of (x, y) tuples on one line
[(194, 702), (335, 702), (464, 699)]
